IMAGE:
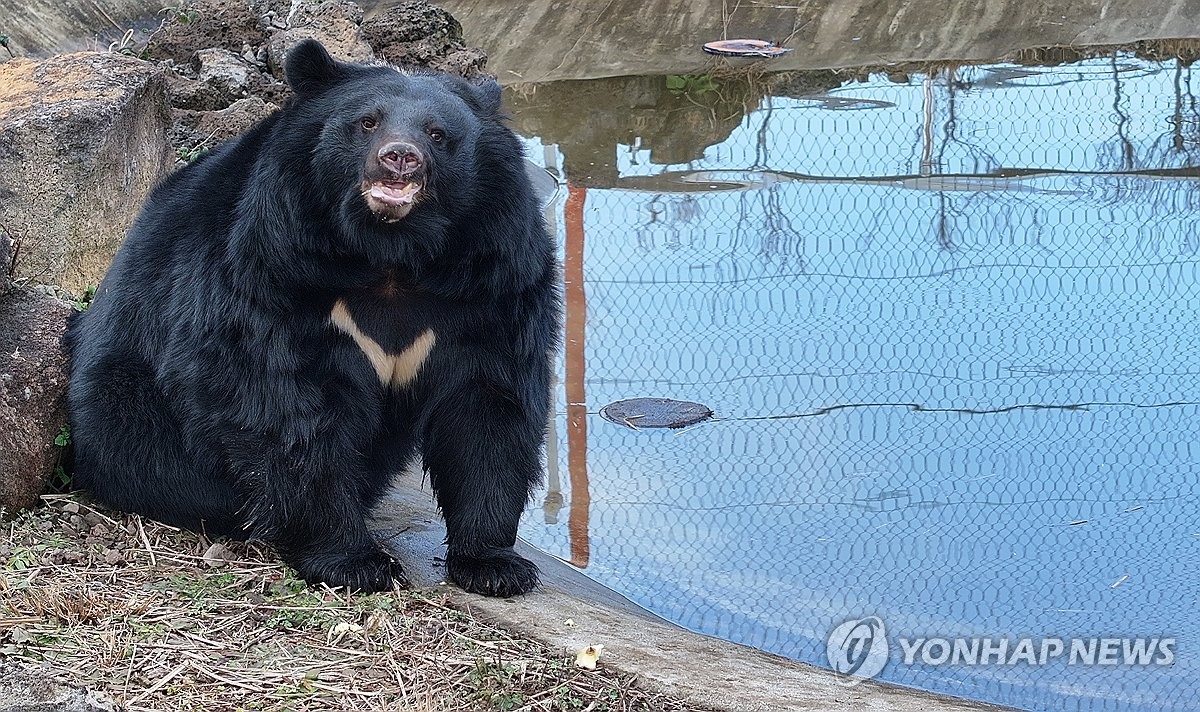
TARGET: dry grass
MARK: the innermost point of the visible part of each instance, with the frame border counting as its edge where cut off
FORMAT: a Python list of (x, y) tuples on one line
[(159, 619)]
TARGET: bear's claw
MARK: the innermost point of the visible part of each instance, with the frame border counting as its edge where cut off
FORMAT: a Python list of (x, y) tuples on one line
[(499, 572), (367, 571)]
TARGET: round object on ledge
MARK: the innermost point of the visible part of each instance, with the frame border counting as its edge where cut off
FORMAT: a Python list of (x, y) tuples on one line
[(745, 48)]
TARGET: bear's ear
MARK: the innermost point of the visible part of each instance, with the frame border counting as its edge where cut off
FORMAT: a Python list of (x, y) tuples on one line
[(488, 92), (482, 94), (309, 68)]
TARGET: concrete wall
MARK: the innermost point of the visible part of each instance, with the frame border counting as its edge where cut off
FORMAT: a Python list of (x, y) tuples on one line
[(38, 27), (545, 40)]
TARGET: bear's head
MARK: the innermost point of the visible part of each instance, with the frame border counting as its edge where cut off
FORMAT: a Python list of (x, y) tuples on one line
[(387, 141)]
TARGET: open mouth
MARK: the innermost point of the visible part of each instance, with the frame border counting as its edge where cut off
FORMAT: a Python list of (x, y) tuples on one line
[(391, 199), (393, 192)]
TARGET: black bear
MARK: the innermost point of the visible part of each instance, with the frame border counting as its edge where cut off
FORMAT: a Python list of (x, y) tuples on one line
[(362, 278)]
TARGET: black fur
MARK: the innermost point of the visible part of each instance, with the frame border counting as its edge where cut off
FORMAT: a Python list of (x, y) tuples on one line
[(210, 390)]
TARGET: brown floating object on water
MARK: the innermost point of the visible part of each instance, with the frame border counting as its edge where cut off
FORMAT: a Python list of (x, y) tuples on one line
[(638, 413), (745, 48)]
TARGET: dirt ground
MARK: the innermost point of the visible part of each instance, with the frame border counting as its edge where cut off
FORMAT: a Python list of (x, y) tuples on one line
[(162, 619)]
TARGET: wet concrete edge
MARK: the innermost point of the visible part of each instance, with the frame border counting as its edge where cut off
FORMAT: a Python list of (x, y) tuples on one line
[(711, 672)]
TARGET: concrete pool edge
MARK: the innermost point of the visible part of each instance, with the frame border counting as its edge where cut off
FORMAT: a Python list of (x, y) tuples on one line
[(708, 671)]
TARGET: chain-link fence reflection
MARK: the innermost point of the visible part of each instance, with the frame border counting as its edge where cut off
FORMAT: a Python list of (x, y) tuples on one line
[(949, 328)]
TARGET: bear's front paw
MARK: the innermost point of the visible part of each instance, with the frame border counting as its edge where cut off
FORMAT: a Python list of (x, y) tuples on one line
[(371, 570), (497, 572)]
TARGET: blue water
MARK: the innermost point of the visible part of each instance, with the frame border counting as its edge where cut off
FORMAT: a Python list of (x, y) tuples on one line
[(962, 402)]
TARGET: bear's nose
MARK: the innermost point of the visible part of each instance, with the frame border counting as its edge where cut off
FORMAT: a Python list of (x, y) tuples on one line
[(400, 157)]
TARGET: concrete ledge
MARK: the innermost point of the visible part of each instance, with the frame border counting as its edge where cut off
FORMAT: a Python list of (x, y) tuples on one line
[(708, 671)]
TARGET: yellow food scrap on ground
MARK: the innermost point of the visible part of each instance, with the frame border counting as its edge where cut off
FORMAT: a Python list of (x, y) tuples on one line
[(343, 629), (588, 657)]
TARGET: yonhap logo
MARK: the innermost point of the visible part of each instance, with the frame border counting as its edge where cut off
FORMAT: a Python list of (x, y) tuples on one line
[(857, 650)]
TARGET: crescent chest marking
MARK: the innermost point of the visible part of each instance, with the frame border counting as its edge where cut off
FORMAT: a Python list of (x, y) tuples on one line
[(396, 370)]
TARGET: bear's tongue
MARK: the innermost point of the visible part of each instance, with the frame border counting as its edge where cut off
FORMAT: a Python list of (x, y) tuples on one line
[(394, 192)]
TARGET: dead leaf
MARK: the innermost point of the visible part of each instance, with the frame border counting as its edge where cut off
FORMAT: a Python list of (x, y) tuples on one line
[(18, 634), (217, 555)]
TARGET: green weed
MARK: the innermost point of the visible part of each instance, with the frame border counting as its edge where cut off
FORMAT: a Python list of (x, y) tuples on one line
[(189, 154), (85, 300), (693, 85)]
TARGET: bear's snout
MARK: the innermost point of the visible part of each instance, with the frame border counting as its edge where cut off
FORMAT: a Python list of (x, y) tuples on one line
[(393, 183), (400, 158)]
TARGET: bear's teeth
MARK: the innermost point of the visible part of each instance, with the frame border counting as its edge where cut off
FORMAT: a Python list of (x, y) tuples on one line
[(394, 194)]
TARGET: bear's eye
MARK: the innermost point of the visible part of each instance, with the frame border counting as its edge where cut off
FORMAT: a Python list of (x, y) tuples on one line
[(437, 135), (368, 123)]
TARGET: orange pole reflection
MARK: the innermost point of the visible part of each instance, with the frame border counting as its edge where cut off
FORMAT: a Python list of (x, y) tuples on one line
[(576, 307)]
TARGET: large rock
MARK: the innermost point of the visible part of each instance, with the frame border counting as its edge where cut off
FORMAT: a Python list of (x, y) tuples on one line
[(417, 33), (83, 138), (217, 78), (230, 51), (334, 22), (234, 25), (198, 131), (225, 70), (33, 383)]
